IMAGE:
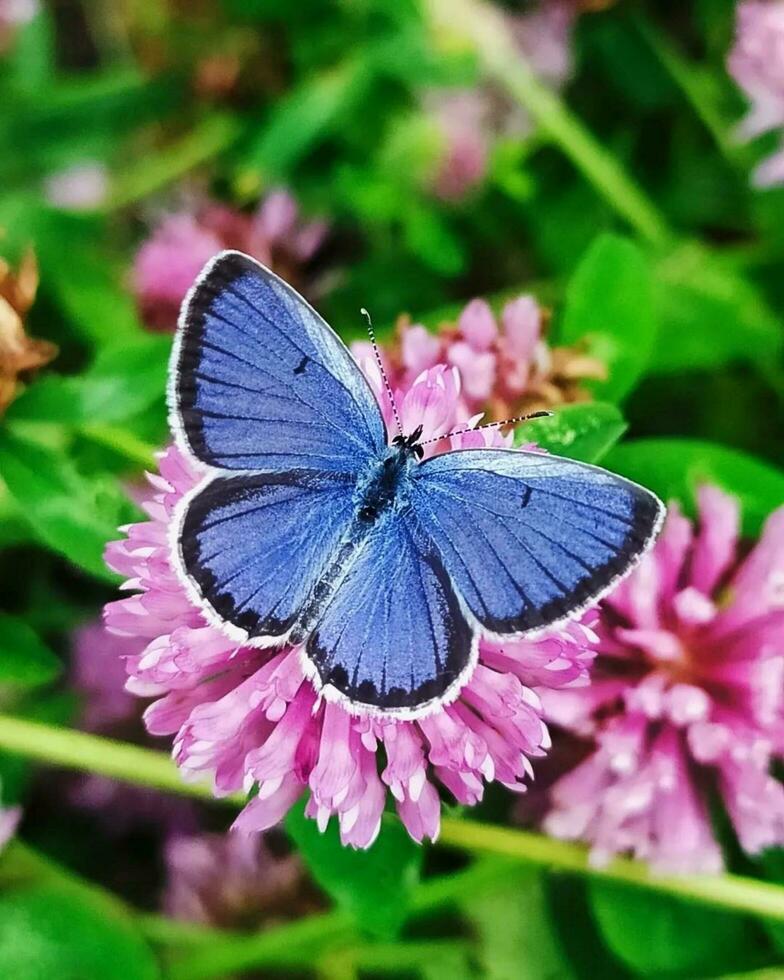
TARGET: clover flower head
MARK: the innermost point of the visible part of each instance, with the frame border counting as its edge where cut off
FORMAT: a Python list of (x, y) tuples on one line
[(10, 817), (170, 259), (686, 695), (98, 674), (251, 719), (756, 62)]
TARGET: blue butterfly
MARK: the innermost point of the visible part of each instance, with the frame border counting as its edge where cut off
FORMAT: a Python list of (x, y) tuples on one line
[(310, 528)]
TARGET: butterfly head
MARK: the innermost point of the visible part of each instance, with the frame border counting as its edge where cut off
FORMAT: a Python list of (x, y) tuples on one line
[(410, 444)]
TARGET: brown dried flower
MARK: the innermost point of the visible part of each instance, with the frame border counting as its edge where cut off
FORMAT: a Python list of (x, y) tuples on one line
[(19, 353)]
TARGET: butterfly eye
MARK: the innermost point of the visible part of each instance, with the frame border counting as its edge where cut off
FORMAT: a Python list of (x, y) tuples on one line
[(419, 452)]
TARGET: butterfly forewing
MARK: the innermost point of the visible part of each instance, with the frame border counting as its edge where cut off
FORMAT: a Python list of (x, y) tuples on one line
[(260, 382)]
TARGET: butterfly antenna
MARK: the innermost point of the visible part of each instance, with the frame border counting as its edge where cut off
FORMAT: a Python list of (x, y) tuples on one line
[(488, 425), (380, 363)]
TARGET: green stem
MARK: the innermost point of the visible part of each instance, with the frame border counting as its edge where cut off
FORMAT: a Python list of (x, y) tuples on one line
[(162, 931), (92, 753), (475, 23), (725, 891), (145, 767), (404, 956), (289, 945)]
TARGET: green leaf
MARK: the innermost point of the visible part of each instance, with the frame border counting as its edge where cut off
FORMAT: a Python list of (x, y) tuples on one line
[(514, 933), (14, 529), (609, 307), (48, 932), (656, 935), (375, 885), (584, 432), (579, 936), (675, 468), (303, 117), (449, 964), (73, 515), (24, 660), (122, 382), (88, 286), (430, 238), (710, 315)]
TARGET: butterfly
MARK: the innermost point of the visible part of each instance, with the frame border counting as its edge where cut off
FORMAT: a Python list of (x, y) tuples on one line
[(310, 528)]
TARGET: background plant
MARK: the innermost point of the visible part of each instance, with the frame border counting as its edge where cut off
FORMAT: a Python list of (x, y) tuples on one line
[(624, 205)]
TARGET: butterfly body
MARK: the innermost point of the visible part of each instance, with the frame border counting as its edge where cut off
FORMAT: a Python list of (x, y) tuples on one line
[(312, 527), (385, 485)]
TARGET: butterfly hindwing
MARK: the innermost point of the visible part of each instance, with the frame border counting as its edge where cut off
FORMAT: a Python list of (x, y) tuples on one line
[(260, 382), (393, 637), (528, 539), (253, 545)]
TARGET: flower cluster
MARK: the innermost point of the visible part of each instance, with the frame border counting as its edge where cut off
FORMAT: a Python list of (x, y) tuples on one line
[(463, 121), (757, 64), (251, 719), (687, 696), (169, 261), (505, 365)]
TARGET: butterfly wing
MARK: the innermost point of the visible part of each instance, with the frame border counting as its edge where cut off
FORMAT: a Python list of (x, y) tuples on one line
[(393, 636), (529, 539), (251, 546), (259, 381)]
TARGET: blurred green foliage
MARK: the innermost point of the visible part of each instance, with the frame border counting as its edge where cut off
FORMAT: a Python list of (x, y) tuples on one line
[(47, 932), (330, 100)]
